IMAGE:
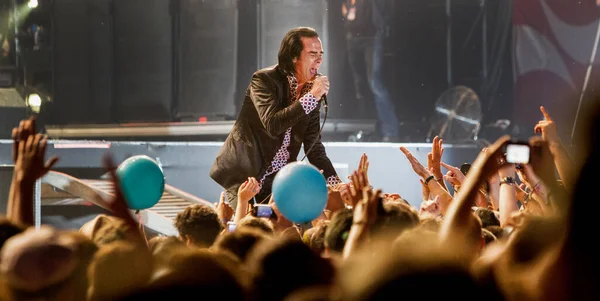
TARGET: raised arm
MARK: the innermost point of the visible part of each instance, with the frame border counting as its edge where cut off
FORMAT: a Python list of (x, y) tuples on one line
[(564, 164), (456, 221), (434, 186)]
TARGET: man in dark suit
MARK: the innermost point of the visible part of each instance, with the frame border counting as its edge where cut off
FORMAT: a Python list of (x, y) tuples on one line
[(280, 113)]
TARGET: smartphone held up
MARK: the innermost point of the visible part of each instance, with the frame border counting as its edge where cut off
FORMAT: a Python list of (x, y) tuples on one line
[(518, 152)]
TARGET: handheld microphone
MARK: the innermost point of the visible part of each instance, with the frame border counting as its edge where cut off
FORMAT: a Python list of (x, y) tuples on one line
[(324, 97)]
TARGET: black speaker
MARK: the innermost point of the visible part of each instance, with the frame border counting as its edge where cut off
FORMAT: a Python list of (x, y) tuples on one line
[(467, 47), (101, 60), (418, 67), (81, 41), (6, 174), (12, 110), (206, 58), (143, 60), (71, 63)]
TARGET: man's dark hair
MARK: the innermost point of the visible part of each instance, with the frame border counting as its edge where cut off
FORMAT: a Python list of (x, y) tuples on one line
[(291, 47), (487, 216), (200, 222)]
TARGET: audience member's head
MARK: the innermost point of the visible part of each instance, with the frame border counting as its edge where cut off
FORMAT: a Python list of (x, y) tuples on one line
[(47, 263), (261, 224), (416, 264), (281, 266), (198, 225), (498, 231), (315, 239), (163, 248), (241, 241), (398, 217), (430, 223), (104, 229), (338, 230), (488, 217), (118, 268), (209, 273)]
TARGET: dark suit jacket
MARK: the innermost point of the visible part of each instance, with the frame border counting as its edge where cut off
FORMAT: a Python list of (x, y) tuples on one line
[(266, 114)]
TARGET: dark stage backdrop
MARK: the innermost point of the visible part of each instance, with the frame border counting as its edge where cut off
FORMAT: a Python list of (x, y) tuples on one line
[(172, 60)]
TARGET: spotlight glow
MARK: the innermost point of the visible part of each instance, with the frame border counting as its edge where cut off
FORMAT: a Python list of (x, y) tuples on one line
[(34, 101), (32, 4)]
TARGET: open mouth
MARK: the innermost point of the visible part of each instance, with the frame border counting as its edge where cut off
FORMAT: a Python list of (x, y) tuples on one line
[(313, 72)]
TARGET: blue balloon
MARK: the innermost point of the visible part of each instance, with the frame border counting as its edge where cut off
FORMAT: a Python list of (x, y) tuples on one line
[(142, 181), (300, 192)]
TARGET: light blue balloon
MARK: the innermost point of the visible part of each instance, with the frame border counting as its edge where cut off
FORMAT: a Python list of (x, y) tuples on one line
[(142, 181), (300, 192)]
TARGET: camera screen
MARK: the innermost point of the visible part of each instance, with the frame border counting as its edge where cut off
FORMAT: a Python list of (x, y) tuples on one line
[(230, 226), (264, 211), (517, 153)]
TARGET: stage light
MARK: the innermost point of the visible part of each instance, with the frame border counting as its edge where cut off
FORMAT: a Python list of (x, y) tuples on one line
[(32, 3), (34, 101)]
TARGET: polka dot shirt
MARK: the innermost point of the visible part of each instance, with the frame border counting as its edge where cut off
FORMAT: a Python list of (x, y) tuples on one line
[(309, 102)]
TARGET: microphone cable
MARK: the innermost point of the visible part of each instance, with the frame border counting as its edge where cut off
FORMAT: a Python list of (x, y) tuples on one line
[(326, 106)]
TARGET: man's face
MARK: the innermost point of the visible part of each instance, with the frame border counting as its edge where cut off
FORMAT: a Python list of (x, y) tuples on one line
[(309, 62)]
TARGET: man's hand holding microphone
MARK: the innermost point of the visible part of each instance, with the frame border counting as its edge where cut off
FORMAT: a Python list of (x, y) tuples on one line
[(320, 87)]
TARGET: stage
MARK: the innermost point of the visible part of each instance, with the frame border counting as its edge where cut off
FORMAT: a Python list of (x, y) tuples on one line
[(186, 164)]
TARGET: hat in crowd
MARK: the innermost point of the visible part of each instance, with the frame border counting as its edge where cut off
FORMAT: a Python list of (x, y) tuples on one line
[(38, 258), (104, 229)]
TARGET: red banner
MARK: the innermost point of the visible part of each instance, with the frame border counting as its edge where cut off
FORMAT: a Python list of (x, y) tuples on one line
[(553, 45)]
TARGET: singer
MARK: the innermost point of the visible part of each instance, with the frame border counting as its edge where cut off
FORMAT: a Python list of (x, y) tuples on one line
[(280, 113)]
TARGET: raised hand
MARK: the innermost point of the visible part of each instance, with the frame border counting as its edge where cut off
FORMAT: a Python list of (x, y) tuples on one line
[(527, 176), (364, 216), (541, 162), (345, 193), (223, 209), (320, 86), (25, 129), (434, 158), (248, 190), (454, 176), (546, 127), (30, 164), (416, 165), (357, 185), (365, 211), (363, 167), (431, 207), (118, 205), (521, 192), (335, 201)]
